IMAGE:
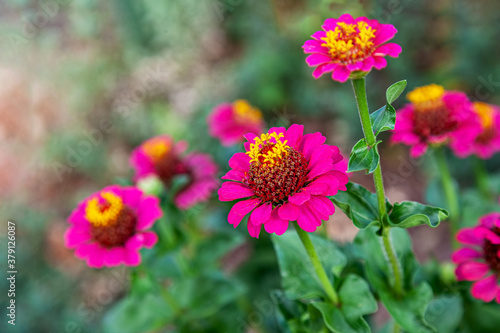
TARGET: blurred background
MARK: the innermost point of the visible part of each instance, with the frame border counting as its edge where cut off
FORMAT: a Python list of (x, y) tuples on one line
[(83, 82)]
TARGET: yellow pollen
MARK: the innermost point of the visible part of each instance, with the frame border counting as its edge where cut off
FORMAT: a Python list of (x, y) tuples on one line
[(485, 113), (349, 42), (104, 214), (426, 94), (245, 112), (271, 155), (156, 148)]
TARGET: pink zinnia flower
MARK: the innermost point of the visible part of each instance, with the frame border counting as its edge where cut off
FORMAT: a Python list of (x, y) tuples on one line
[(486, 142), (350, 48), (283, 176), (110, 227), (433, 117), (229, 122), (162, 157), (480, 260)]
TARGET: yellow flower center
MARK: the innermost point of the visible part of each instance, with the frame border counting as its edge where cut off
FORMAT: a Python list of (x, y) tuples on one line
[(349, 43), (106, 213), (427, 97), (245, 112), (485, 113), (268, 149), (156, 148)]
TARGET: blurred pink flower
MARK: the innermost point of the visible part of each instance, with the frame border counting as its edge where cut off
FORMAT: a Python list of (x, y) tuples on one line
[(350, 48), (485, 139), (433, 117), (479, 261), (162, 157), (110, 227), (229, 122), (283, 176)]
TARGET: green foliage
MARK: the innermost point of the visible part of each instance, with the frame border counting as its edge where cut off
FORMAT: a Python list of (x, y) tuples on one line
[(383, 119), (409, 214), (363, 157)]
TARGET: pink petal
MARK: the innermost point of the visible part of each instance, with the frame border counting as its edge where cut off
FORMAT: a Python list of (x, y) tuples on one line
[(288, 211), (84, 250), (262, 213), (276, 224), (418, 150), (468, 236), (294, 135), (391, 49), (310, 142), (341, 74), (253, 230), (135, 242), (465, 254), (240, 209), (131, 196), (320, 168), (115, 256), (485, 289), (148, 212), (240, 162), (471, 271), (234, 175), (384, 33), (132, 258), (230, 191), (149, 239), (76, 235), (324, 68), (483, 233), (307, 220), (317, 59), (314, 46), (96, 257), (318, 35), (299, 198), (322, 204), (380, 62)]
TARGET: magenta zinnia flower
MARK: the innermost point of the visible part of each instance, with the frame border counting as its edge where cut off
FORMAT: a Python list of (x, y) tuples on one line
[(350, 48), (485, 138), (110, 227), (229, 122), (162, 157), (433, 117), (283, 176), (480, 260)]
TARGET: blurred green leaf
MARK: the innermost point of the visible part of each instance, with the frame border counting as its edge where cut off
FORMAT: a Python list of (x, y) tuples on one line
[(445, 313), (299, 279), (356, 297), (337, 322), (409, 214)]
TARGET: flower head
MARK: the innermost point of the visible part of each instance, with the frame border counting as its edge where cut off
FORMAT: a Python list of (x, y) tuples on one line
[(485, 138), (434, 116), (283, 176), (229, 122), (350, 48), (162, 157), (479, 261), (110, 227)]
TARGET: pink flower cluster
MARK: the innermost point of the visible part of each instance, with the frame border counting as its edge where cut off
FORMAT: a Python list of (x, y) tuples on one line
[(479, 260)]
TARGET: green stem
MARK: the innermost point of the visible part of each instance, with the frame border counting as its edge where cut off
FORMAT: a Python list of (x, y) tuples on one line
[(449, 192), (171, 301), (481, 177), (320, 271), (358, 86)]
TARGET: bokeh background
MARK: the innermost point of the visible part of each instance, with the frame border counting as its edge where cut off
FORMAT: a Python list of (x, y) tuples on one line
[(83, 82)]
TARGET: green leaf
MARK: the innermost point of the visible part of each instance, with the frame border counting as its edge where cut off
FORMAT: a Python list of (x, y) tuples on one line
[(409, 214), (363, 157), (384, 119), (137, 314), (394, 91), (359, 204), (356, 297), (408, 310), (445, 313), (298, 277), (337, 322)]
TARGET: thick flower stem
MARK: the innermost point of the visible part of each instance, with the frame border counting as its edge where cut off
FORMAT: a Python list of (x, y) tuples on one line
[(449, 193), (358, 86), (320, 271)]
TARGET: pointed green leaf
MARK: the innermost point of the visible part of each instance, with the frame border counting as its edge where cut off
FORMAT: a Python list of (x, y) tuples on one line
[(384, 119), (359, 204), (394, 91), (337, 322), (363, 157), (409, 214), (356, 297)]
